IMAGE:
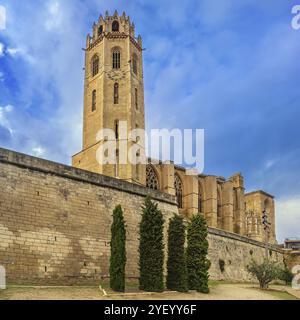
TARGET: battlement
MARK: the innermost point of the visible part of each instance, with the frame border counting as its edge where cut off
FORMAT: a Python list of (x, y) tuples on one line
[(113, 26)]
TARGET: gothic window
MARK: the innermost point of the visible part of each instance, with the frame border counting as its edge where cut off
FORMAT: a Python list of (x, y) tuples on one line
[(100, 31), (94, 100), (117, 129), (137, 172), (95, 65), (116, 59), (117, 163), (200, 199), (136, 98), (219, 210), (235, 200), (116, 93), (134, 63), (151, 178), (115, 26), (178, 191)]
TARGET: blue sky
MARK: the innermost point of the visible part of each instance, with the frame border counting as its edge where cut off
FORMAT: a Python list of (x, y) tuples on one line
[(231, 67)]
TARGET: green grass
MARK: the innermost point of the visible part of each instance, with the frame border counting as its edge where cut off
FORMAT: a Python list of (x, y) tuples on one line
[(4, 295), (134, 284), (215, 283), (129, 285), (281, 295)]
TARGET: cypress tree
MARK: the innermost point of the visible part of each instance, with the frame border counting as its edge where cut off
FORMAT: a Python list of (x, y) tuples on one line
[(197, 262), (151, 248), (177, 269), (118, 251)]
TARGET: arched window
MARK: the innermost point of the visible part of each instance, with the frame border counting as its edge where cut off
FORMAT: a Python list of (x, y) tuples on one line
[(219, 210), (116, 59), (117, 163), (94, 100), (116, 93), (200, 198), (115, 26), (117, 129), (178, 190), (151, 178), (95, 65), (136, 98), (137, 166), (100, 31), (134, 64), (236, 204)]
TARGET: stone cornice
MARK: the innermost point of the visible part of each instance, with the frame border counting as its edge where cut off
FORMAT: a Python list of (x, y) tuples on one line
[(114, 35), (68, 172), (235, 236), (261, 192)]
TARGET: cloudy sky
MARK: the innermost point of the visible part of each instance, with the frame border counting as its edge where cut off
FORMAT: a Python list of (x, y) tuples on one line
[(231, 67)]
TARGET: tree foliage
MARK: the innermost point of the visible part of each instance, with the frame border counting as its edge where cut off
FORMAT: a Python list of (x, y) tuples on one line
[(151, 248), (286, 275), (197, 250), (176, 265), (118, 251), (264, 272)]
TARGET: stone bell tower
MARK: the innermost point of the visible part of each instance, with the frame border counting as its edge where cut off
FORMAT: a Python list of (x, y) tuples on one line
[(113, 99)]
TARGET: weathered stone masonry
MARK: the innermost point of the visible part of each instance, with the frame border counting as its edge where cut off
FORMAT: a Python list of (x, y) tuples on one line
[(55, 220), (236, 252), (55, 224)]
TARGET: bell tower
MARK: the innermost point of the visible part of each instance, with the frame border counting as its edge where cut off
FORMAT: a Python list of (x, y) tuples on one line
[(113, 98)]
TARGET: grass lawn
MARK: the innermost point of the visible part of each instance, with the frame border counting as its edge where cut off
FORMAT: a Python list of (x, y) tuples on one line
[(219, 290), (282, 295)]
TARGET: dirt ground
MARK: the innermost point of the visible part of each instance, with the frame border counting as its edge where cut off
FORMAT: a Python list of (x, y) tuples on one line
[(218, 292)]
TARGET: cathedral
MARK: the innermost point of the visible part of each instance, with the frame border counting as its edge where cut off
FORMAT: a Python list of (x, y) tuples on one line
[(114, 92)]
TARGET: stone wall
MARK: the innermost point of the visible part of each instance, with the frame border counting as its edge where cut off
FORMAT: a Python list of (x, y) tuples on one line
[(292, 258), (55, 221), (55, 225), (236, 252)]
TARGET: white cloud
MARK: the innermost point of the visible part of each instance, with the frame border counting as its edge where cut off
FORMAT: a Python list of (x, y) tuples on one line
[(53, 60), (38, 151), (269, 164), (55, 15), (13, 51), (1, 49), (4, 120), (51, 89), (288, 218)]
